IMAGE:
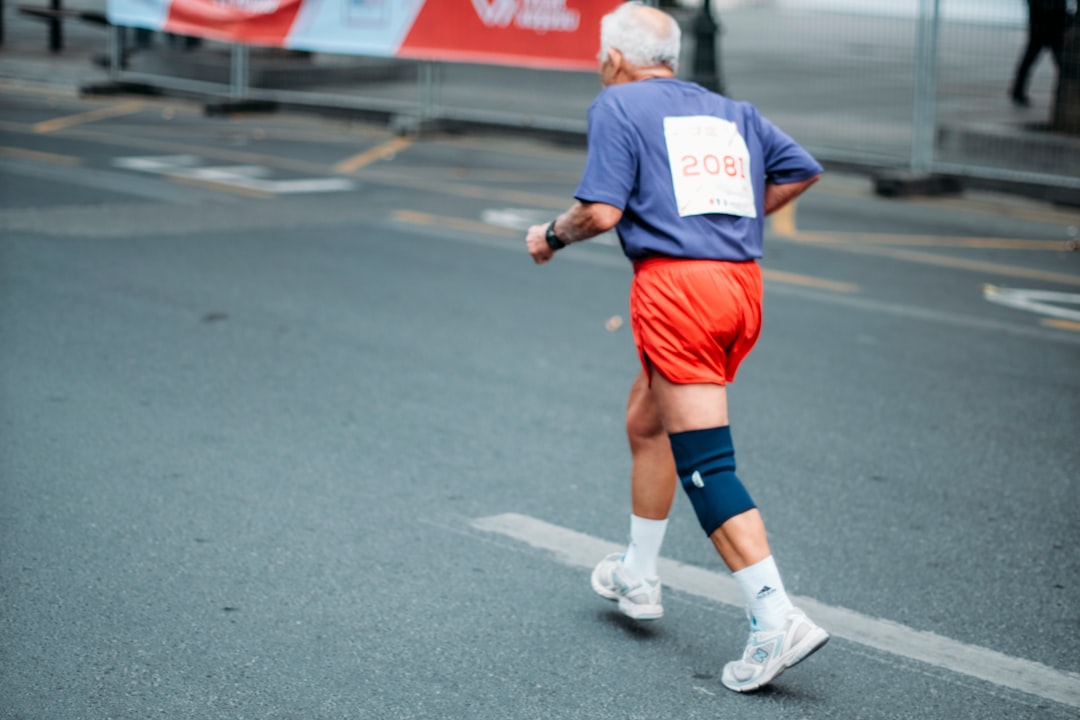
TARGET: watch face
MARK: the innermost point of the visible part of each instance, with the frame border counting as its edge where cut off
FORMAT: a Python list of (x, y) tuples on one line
[(553, 239)]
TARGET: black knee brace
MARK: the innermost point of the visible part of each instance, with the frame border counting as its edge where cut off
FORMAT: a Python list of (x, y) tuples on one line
[(705, 460)]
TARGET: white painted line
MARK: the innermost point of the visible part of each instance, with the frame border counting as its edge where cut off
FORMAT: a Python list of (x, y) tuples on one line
[(1043, 302), (244, 177), (156, 163), (856, 302), (522, 218), (914, 312), (516, 218), (222, 173), (109, 180), (580, 550), (306, 185)]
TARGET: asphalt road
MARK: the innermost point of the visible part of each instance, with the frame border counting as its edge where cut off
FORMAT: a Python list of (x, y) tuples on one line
[(291, 427)]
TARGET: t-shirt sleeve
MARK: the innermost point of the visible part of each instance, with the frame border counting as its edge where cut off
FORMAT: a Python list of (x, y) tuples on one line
[(611, 163), (785, 160)]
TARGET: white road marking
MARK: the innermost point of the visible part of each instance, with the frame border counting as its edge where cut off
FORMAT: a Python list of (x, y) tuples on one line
[(912, 312), (1043, 302), (156, 163), (112, 181), (523, 218), (580, 550), (242, 177)]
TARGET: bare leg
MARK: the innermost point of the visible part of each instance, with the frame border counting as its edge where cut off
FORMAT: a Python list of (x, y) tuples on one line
[(653, 479), (741, 541)]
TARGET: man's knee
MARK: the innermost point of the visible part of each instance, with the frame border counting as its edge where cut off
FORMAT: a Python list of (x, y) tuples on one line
[(643, 423), (705, 460), (643, 429)]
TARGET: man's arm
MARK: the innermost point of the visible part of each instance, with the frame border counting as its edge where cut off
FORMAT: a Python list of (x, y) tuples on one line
[(777, 196), (581, 222)]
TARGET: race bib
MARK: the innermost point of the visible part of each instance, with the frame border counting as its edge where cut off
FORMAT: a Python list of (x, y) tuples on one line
[(710, 166)]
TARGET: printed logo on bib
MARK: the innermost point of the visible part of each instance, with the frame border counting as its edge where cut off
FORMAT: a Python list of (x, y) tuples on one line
[(710, 166)]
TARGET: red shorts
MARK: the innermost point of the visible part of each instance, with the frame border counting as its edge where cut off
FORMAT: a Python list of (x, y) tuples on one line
[(695, 320)]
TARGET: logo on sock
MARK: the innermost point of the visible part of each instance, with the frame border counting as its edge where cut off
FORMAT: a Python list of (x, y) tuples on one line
[(765, 592)]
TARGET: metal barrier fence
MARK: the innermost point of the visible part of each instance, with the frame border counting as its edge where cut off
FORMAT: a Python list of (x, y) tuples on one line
[(915, 85), (922, 84)]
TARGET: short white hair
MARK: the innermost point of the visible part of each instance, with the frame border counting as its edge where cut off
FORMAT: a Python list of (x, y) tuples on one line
[(638, 39)]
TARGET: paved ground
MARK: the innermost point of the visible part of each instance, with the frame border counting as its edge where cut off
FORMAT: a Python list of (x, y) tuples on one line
[(292, 428), (841, 83)]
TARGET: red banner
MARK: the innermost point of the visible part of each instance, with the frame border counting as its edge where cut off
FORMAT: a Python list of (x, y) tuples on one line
[(254, 22), (563, 34), (542, 33)]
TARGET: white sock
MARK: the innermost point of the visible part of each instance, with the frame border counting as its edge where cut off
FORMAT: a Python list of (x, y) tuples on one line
[(764, 592), (646, 537)]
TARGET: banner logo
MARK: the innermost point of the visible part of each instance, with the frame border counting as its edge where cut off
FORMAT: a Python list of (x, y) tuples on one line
[(251, 7), (536, 15)]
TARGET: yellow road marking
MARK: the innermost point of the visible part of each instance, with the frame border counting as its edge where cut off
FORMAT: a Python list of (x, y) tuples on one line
[(475, 226), (1061, 324), (27, 89), (526, 199), (494, 195), (783, 221), (1007, 207), (926, 258), (159, 147), (379, 152), (808, 281), (201, 182), (419, 218), (974, 265), (448, 173), (857, 238), (60, 123), (40, 156), (489, 194), (984, 204)]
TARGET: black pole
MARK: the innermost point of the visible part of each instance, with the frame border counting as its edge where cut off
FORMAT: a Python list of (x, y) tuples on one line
[(706, 71), (56, 36)]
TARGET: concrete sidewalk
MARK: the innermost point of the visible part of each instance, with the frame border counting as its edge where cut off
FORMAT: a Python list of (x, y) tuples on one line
[(840, 84)]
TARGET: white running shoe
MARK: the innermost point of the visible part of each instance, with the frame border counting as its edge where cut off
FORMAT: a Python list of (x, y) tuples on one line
[(770, 652), (638, 598)]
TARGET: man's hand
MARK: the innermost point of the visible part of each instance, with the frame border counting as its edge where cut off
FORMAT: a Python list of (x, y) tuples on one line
[(537, 245), (581, 222), (777, 196)]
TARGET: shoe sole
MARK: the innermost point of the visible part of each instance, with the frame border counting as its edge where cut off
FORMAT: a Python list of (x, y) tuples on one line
[(600, 590), (817, 639), (640, 612), (627, 608)]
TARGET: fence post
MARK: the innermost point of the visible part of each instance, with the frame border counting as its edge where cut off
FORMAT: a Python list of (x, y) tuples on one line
[(426, 81), (925, 117), (238, 71), (116, 51), (919, 179)]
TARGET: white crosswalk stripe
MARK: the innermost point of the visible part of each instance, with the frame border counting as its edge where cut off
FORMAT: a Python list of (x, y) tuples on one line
[(580, 550)]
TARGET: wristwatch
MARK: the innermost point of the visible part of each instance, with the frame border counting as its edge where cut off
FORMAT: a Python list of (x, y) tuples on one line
[(553, 240)]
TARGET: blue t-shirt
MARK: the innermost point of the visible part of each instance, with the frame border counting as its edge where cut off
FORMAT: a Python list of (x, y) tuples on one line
[(628, 167)]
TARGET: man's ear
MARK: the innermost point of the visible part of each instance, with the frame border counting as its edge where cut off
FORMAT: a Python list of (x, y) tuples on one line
[(616, 59)]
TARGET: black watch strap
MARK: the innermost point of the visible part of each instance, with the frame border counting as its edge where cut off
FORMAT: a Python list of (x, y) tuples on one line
[(553, 240)]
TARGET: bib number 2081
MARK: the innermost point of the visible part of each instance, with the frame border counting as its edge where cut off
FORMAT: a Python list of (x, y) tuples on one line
[(710, 166), (694, 165)]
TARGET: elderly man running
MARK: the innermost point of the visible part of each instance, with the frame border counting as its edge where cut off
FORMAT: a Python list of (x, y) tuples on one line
[(686, 177)]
